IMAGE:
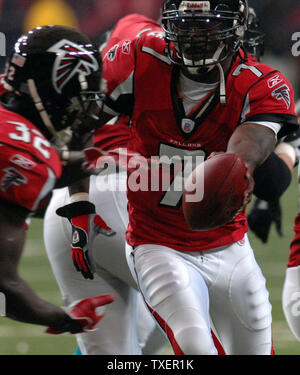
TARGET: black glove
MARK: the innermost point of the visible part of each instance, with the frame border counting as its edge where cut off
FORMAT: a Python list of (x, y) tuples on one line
[(261, 217)]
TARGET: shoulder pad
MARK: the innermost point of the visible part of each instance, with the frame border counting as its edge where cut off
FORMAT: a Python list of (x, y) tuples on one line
[(154, 45), (246, 74)]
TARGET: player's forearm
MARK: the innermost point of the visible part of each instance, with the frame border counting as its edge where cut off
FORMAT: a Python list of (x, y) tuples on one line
[(24, 305), (71, 174), (81, 186), (254, 143)]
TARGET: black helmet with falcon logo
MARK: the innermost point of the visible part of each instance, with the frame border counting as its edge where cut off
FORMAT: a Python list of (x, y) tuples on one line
[(59, 70)]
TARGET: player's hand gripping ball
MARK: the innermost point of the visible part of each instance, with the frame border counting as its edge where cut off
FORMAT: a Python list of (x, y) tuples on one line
[(223, 181)]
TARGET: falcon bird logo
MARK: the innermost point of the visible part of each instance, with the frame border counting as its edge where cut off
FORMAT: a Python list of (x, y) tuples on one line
[(70, 59), (283, 93), (12, 177)]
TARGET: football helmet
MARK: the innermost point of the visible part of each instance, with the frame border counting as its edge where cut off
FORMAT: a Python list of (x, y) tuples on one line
[(204, 33), (59, 70)]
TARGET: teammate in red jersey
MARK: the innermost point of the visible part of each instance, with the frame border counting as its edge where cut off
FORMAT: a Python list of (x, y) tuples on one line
[(291, 287), (194, 91), (50, 89), (267, 211)]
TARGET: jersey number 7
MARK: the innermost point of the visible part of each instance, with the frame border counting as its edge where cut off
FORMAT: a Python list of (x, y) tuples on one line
[(184, 162)]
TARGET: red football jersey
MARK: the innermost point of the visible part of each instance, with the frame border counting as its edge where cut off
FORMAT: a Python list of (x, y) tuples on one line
[(117, 135), (129, 28), (29, 165), (113, 135), (294, 258), (2, 89), (141, 82)]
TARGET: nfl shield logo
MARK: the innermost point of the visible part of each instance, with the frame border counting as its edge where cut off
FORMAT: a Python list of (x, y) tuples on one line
[(75, 238), (187, 125)]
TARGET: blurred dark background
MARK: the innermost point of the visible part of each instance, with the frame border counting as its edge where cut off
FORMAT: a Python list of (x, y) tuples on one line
[(279, 20)]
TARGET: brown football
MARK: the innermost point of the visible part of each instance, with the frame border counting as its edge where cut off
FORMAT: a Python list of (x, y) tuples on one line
[(221, 182)]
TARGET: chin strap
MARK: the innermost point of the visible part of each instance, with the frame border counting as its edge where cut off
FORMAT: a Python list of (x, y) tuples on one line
[(60, 137), (214, 59), (222, 85)]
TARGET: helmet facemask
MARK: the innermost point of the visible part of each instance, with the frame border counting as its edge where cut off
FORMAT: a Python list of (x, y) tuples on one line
[(204, 33), (65, 116)]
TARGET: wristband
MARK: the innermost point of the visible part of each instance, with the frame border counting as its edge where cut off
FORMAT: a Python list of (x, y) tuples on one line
[(286, 149), (77, 197), (76, 209)]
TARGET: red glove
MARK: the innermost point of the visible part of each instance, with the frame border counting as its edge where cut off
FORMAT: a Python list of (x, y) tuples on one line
[(84, 312), (97, 160), (85, 226)]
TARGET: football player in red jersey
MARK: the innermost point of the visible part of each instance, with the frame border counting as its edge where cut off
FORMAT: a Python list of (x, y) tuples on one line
[(268, 210), (209, 96), (291, 287), (108, 252), (51, 85)]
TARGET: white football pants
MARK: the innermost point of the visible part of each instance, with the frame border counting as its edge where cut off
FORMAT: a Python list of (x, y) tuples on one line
[(190, 293), (127, 323), (291, 299)]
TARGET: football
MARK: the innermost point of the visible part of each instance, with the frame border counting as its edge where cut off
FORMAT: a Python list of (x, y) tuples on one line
[(213, 192)]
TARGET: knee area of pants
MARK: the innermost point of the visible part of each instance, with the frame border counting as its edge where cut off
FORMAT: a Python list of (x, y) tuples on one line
[(291, 291), (291, 305), (188, 317), (262, 349), (293, 321), (191, 331), (160, 280), (195, 341), (250, 298)]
